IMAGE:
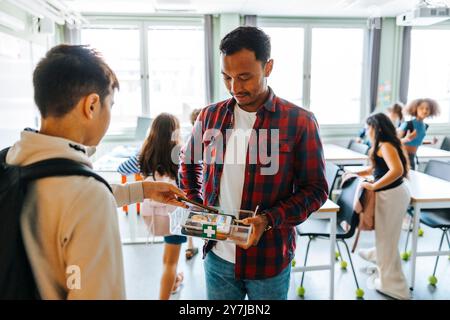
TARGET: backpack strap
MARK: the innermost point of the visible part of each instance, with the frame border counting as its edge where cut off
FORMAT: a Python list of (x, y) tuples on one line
[(58, 167), (409, 126)]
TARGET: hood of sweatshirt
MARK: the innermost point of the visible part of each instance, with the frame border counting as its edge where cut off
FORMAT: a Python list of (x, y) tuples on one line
[(34, 146)]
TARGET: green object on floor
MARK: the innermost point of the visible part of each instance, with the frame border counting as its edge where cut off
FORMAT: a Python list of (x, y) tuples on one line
[(301, 292), (359, 293), (405, 256), (337, 255), (420, 232), (343, 264), (293, 263), (432, 280)]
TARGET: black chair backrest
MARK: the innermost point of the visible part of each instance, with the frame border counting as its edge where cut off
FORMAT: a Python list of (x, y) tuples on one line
[(352, 141), (446, 144), (345, 202), (358, 147), (438, 169), (332, 172)]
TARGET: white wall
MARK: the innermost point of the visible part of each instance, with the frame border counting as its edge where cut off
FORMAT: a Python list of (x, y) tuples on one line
[(20, 51)]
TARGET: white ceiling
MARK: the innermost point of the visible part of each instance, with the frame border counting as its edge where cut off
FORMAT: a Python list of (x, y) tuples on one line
[(308, 8)]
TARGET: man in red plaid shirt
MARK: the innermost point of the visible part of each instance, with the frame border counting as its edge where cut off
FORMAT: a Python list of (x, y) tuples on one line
[(226, 163)]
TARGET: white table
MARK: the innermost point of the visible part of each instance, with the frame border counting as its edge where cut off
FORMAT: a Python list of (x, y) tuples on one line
[(427, 192), (327, 211), (342, 156), (425, 154)]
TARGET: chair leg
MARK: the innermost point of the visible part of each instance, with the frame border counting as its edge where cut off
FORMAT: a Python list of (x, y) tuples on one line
[(405, 255), (339, 250), (306, 259), (407, 240), (447, 236), (351, 264), (407, 234), (420, 230), (447, 232), (433, 279)]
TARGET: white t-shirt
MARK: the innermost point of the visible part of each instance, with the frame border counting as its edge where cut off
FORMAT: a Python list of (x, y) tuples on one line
[(233, 175)]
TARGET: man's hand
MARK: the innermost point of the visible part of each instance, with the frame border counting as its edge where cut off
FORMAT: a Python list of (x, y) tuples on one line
[(163, 192), (259, 225)]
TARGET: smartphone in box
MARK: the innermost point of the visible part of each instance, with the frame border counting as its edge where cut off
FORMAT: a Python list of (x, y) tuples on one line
[(223, 223)]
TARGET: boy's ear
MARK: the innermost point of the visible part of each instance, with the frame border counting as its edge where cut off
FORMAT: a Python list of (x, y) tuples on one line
[(91, 105)]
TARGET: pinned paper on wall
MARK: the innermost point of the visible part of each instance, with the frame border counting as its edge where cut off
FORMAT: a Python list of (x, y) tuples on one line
[(384, 94)]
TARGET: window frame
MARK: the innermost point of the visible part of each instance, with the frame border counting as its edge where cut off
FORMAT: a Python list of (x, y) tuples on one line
[(32, 41), (442, 127), (142, 24), (287, 24), (308, 24)]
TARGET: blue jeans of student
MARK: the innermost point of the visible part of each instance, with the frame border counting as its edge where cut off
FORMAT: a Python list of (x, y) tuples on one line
[(222, 285)]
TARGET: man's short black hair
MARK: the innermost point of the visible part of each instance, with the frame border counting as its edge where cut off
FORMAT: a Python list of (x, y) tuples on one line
[(66, 74), (250, 38)]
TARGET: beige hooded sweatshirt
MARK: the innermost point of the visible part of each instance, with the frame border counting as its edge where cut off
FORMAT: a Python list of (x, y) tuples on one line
[(70, 225)]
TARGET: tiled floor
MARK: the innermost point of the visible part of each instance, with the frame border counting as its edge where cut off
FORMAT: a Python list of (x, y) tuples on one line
[(143, 268)]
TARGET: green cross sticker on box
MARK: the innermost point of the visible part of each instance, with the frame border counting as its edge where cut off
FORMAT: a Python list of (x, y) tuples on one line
[(209, 231)]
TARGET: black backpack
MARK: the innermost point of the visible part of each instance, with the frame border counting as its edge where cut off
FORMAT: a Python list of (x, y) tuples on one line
[(16, 276)]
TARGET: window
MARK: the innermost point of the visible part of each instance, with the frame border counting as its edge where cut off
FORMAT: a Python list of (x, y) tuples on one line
[(319, 65), (176, 71), (18, 58), (160, 66), (430, 69), (121, 50), (287, 51), (336, 74)]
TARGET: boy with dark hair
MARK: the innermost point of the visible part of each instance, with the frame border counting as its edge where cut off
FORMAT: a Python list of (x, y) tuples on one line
[(69, 223)]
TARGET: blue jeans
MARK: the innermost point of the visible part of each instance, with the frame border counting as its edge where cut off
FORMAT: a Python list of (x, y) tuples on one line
[(222, 285)]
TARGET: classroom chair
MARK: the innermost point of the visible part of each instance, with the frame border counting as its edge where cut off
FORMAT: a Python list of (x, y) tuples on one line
[(137, 177), (332, 172), (358, 147), (347, 221), (446, 144)]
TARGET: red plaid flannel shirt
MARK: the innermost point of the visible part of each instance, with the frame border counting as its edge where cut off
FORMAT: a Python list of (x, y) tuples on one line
[(287, 197)]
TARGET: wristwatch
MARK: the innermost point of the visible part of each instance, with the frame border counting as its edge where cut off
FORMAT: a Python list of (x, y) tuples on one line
[(268, 227)]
